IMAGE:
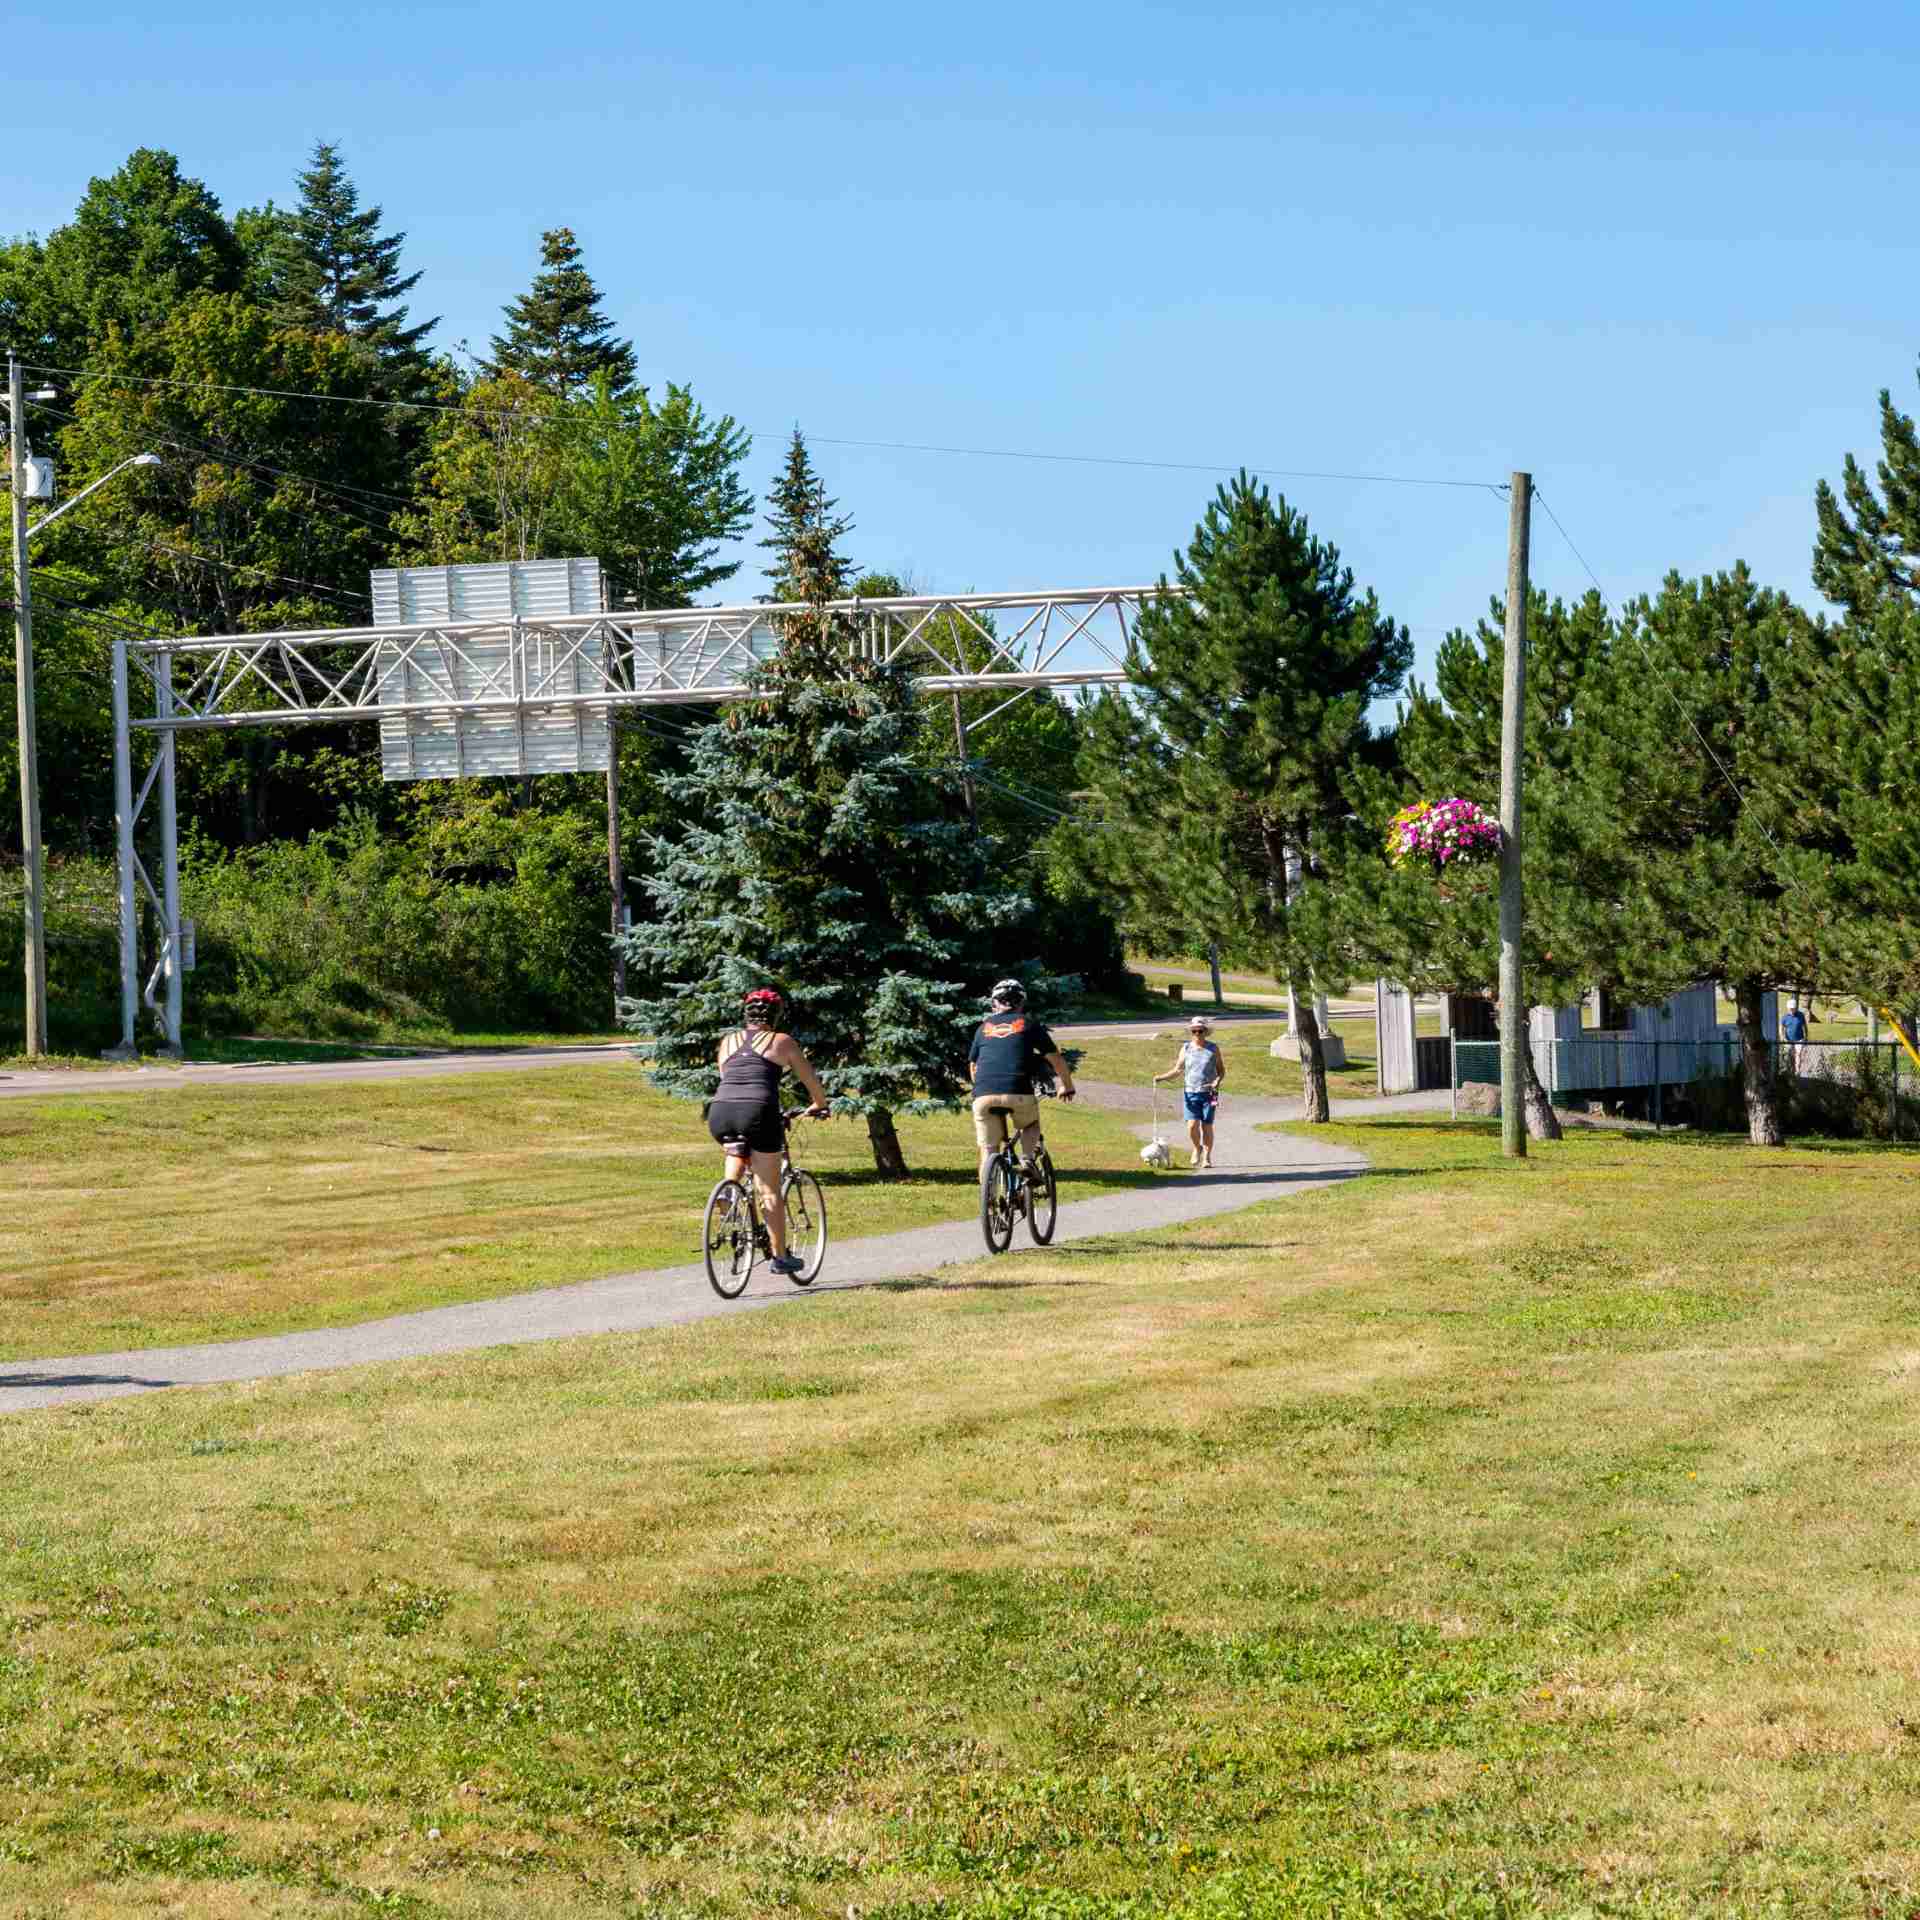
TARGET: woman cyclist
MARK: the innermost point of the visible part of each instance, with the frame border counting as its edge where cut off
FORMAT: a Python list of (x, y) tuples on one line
[(744, 1116)]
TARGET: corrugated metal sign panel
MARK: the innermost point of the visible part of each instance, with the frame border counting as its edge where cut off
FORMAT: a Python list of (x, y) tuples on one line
[(491, 590), (494, 745), (478, 669), (468, 667)]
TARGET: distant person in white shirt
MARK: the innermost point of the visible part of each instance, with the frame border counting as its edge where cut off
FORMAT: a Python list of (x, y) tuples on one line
[(1200, 1068)]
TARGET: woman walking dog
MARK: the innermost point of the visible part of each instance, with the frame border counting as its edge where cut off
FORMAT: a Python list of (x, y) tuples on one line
[(1200, 1068)]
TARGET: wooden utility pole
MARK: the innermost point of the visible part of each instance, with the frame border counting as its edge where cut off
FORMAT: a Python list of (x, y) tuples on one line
[(616, 864), (960, 741), (1513, 698), (32, 868)]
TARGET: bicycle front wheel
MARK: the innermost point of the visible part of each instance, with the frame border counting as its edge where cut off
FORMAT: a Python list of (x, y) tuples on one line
[(997, 1206), (806, 1224), (1043, 1200), (729, 1240)]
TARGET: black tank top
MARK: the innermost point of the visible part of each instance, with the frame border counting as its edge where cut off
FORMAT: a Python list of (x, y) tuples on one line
[(747, 1075)]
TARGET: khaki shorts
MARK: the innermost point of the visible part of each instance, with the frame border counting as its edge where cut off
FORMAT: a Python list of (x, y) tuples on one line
[(1021, 1109)]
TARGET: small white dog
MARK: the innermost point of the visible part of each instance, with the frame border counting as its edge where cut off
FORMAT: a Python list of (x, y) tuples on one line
[(1156, 1155)]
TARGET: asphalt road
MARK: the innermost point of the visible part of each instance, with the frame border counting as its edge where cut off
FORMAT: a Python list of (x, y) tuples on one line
[(32, 1083), (1251, 1166)]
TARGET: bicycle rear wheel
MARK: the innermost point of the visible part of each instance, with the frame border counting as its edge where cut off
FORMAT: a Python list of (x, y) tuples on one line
[(806, 1224), (1043, 1200), (729, 1240), (997, 1206)]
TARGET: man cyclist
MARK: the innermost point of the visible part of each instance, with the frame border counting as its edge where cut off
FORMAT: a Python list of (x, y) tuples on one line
[(744, 1115), (1008, 1051)]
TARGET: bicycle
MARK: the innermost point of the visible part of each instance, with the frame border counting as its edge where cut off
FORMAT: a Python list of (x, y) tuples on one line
[(736, 1236), (1011, 1187)]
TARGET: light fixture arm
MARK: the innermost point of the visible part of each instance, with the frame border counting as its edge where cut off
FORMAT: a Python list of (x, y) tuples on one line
[(47, 519)]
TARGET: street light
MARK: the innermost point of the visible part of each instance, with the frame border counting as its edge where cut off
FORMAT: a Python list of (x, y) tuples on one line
[(31, 854), (136, 460)]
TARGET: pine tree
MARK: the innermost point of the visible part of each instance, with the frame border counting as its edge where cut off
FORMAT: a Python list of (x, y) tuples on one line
[(1845, 799), (556, 336), (334, 271), (1229, 767), (817, 852), (1689, 761), (805, 533), (1874, 554)]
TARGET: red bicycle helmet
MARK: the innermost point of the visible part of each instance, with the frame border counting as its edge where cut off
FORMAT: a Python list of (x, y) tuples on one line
[(763, 997)]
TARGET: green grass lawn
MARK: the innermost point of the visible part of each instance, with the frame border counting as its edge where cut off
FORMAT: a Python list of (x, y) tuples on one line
[(1470, 1540), (142, 1219), (1243, 1045)]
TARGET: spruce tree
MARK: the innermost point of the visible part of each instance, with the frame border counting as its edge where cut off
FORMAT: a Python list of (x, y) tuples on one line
[(805, 529), (556, 335), (334, 271), (1230, 765), (817, 851), (1869, 549)]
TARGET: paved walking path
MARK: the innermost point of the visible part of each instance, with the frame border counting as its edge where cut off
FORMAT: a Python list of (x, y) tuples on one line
[(1251, 1166)]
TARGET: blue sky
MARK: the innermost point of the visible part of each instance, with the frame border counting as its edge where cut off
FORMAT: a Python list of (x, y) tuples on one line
[(1653, 253)]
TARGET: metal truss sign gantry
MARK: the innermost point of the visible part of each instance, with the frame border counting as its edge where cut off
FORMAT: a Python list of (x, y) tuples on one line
[(531, 694)]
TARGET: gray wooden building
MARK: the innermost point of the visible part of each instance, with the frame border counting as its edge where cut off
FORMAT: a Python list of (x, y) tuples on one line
[(1594, 1046)]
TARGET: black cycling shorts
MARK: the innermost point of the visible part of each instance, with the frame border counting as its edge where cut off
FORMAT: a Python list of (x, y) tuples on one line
[(757, 1122)]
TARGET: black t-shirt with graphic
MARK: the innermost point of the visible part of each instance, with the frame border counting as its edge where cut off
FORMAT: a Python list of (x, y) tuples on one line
[(1010, 1053)]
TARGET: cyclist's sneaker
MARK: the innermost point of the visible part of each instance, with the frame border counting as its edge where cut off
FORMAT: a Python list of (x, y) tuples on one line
[(788, 1263)]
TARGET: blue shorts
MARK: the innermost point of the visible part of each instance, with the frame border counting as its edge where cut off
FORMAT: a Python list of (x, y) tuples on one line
[(1202, 1106)]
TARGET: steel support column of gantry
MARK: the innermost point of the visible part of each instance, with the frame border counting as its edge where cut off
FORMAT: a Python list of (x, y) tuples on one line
[(163, 994)]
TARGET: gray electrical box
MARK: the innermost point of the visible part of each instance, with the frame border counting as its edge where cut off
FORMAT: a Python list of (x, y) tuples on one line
[(37, 473)]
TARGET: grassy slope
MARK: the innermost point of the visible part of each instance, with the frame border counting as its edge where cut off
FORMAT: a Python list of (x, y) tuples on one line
[(214, 1214), (1466, 1540)]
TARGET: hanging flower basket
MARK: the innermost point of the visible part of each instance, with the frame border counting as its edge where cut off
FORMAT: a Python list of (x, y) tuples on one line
[(1444, 835)]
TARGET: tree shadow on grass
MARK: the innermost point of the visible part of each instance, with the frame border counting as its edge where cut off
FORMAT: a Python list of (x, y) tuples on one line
[(1066, 1178), (18, 1382), (932, 1283)]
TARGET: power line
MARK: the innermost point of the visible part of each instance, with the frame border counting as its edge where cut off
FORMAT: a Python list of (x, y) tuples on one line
[(247, 566), (355, 501), (1258, 468)]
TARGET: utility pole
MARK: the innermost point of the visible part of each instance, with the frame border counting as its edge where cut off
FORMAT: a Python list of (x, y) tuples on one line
[(1513, 696), (966, 778), (33, 877)]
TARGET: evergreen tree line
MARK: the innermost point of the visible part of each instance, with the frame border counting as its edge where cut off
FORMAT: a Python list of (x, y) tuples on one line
[(1718, 782)]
